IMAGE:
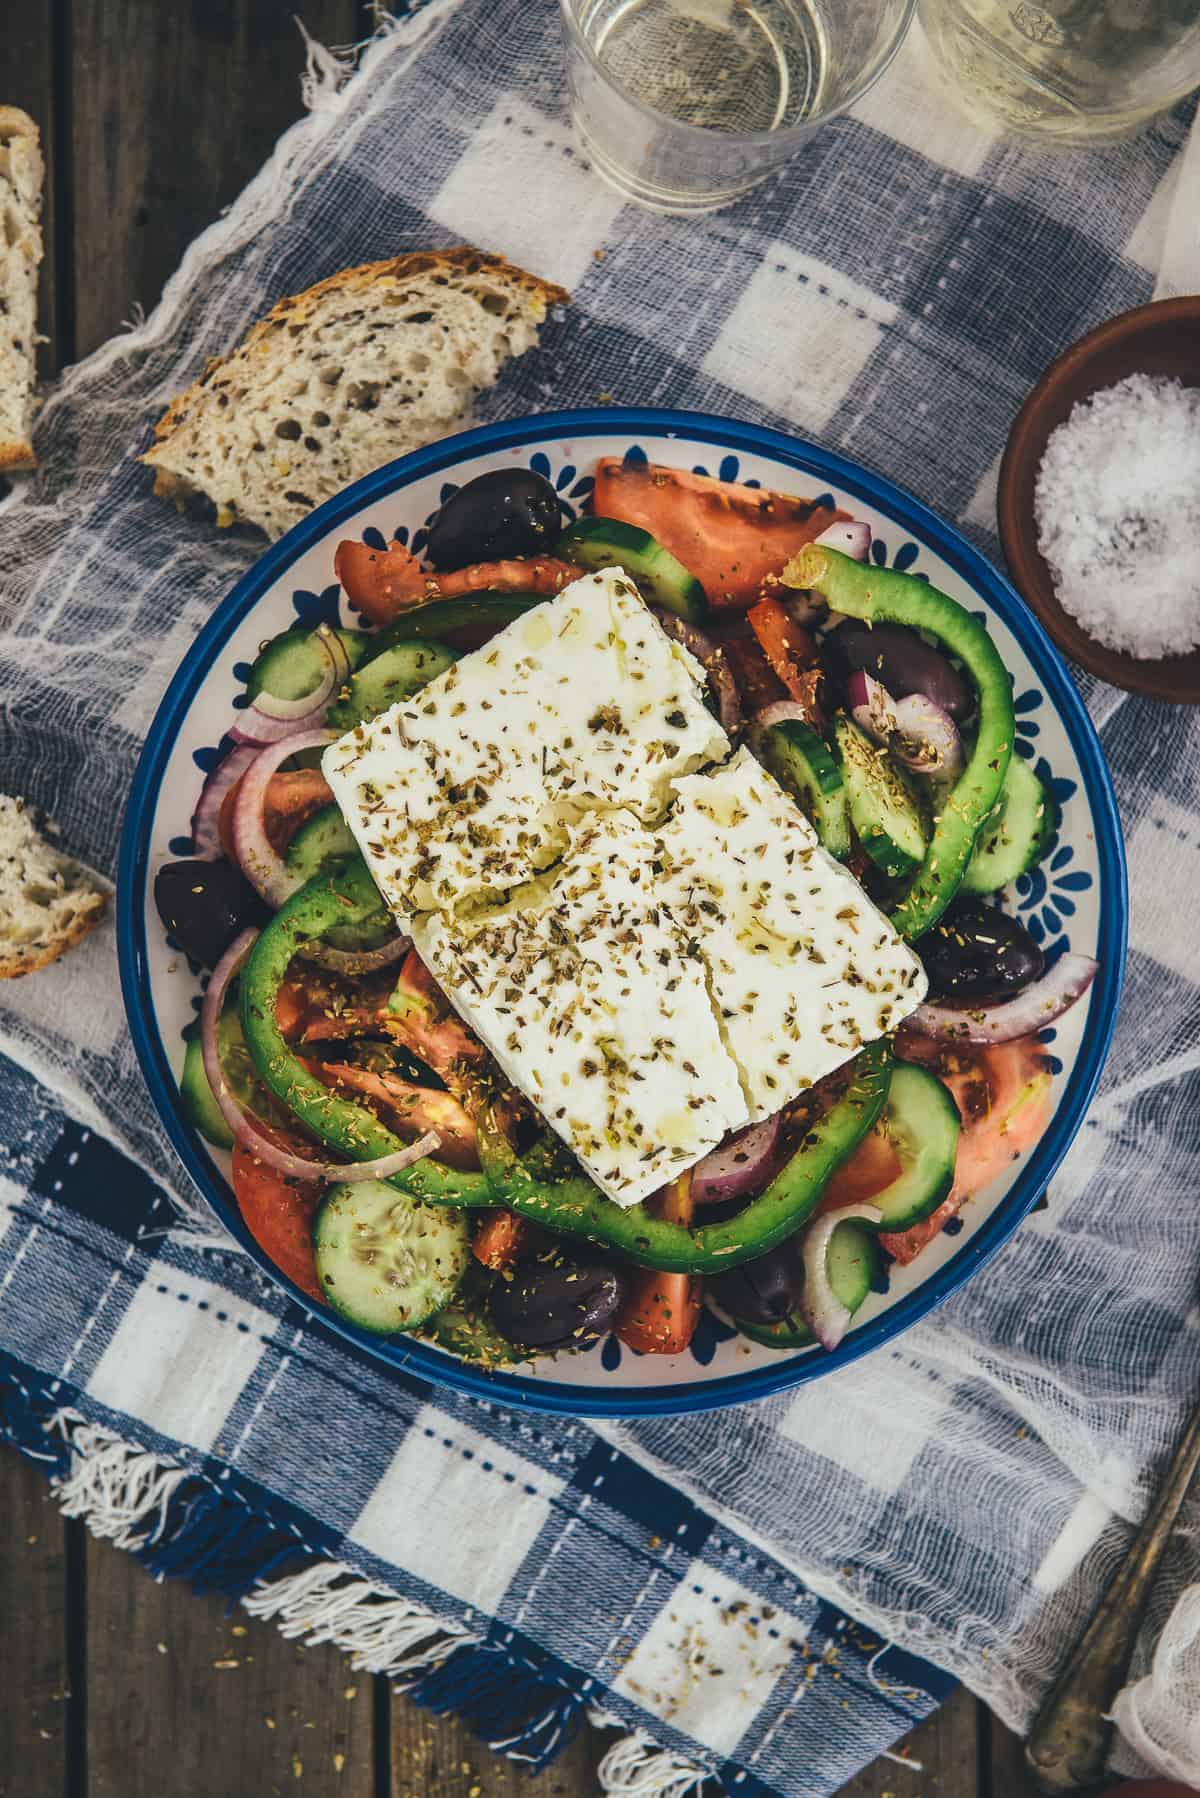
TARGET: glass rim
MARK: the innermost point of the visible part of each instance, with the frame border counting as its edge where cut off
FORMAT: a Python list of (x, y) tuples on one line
[(706, 133)]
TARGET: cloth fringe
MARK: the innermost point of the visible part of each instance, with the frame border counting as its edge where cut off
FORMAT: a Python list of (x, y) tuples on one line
[(179, 1524), (636, 1767), (382, 1633)]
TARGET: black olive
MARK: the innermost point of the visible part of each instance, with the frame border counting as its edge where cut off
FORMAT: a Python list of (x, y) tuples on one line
[(556, 1302), (766, 1290), (904, 663), (975, 954), (205, 904), (509, 512)]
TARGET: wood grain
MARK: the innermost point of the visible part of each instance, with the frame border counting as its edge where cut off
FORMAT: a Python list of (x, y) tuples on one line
[(437, 1757), (174, 108), (1008, 1774), (940, 1759), (28, 38), (184, 1698), (34, 1681)]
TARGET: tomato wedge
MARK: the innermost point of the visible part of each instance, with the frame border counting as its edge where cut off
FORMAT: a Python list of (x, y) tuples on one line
[(792, 655), (420, 1016), (278, 1212), (660, 1315), (1003, 1096), (382, 584), (409, 1110), (732, 538), (499, 1238), (291, 800), (873, 1165)]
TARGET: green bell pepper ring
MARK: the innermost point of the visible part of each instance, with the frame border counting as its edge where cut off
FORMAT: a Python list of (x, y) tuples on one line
[(346, 895), (878, 595), (574, 1206)]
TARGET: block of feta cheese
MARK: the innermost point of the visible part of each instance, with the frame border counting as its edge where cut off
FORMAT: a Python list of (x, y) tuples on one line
[(802, 967), (584, 991), (470, 786)]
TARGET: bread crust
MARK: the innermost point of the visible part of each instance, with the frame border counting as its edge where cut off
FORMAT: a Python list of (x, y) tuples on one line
[(296, 309), (91, 912), (15, 457)]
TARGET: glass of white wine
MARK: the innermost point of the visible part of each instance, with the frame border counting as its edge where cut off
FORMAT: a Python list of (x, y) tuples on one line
[(683, 105), (1066, 71)]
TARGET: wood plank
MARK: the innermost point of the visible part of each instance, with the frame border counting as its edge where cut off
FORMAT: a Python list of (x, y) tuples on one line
[(942, 1757), (33, 1641), (27, 44), (174, 109), (438, 1757), (1010, 1776), (184, 1698)]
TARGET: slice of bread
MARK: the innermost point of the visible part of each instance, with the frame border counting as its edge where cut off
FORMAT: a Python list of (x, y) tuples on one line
[(336, 381), (21, 175), (47, 901)]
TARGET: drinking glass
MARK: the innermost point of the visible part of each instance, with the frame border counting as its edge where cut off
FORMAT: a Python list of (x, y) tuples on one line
[(685, 104), (1071, 71)]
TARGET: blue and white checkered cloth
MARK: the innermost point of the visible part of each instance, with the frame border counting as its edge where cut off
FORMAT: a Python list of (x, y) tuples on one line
[(893, 292)]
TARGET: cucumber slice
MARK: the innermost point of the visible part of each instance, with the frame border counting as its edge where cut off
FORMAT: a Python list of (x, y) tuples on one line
[(884, 808), (387, 1261), (804, 765), (1018, 833), (484, 612), (853, 1262), (608, 543), (241, 1076), (199, 1107), (315, 848), (395, 674), (921, 1121), (292, 665), (325, 839)]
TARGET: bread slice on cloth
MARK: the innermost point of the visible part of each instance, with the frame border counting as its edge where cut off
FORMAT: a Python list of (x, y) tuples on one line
[(47, 901), (21, 175), (334, 382)]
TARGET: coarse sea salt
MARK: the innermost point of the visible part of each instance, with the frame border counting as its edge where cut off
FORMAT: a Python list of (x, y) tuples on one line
[(1117, 503)]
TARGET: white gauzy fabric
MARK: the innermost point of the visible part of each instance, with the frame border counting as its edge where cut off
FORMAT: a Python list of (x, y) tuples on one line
[(894, 292)]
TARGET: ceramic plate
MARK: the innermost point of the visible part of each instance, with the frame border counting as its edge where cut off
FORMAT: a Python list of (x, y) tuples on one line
[(1076, 897)]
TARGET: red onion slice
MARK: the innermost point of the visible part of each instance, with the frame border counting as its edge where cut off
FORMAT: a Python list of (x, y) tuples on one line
[(270, 720), (247, 1131), (916, 731), (1040, 1004), (852, 536), (927, 740), (267, 871), (741, 1165), (715, 663), (871, 706), (824, 1312), (206, 838), (357, 961)]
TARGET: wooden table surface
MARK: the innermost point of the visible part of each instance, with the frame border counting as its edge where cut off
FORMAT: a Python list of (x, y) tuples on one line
[(154, 113)]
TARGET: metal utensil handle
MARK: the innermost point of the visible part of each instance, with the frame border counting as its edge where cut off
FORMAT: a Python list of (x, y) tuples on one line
[(1068, 1744)]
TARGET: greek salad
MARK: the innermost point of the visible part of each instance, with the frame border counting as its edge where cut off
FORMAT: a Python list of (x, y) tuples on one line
[(608, 924)]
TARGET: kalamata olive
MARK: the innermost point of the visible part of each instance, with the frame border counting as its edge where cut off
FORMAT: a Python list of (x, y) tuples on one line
[(905, 664), (509, 512), (766, 1290), (975, 953), (557, 1302), (205, 904)]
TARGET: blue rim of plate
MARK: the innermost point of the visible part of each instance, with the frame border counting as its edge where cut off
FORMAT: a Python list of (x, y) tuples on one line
[(418, 1358)]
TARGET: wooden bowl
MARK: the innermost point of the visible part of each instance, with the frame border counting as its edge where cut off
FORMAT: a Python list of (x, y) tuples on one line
[(1160, 339)]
